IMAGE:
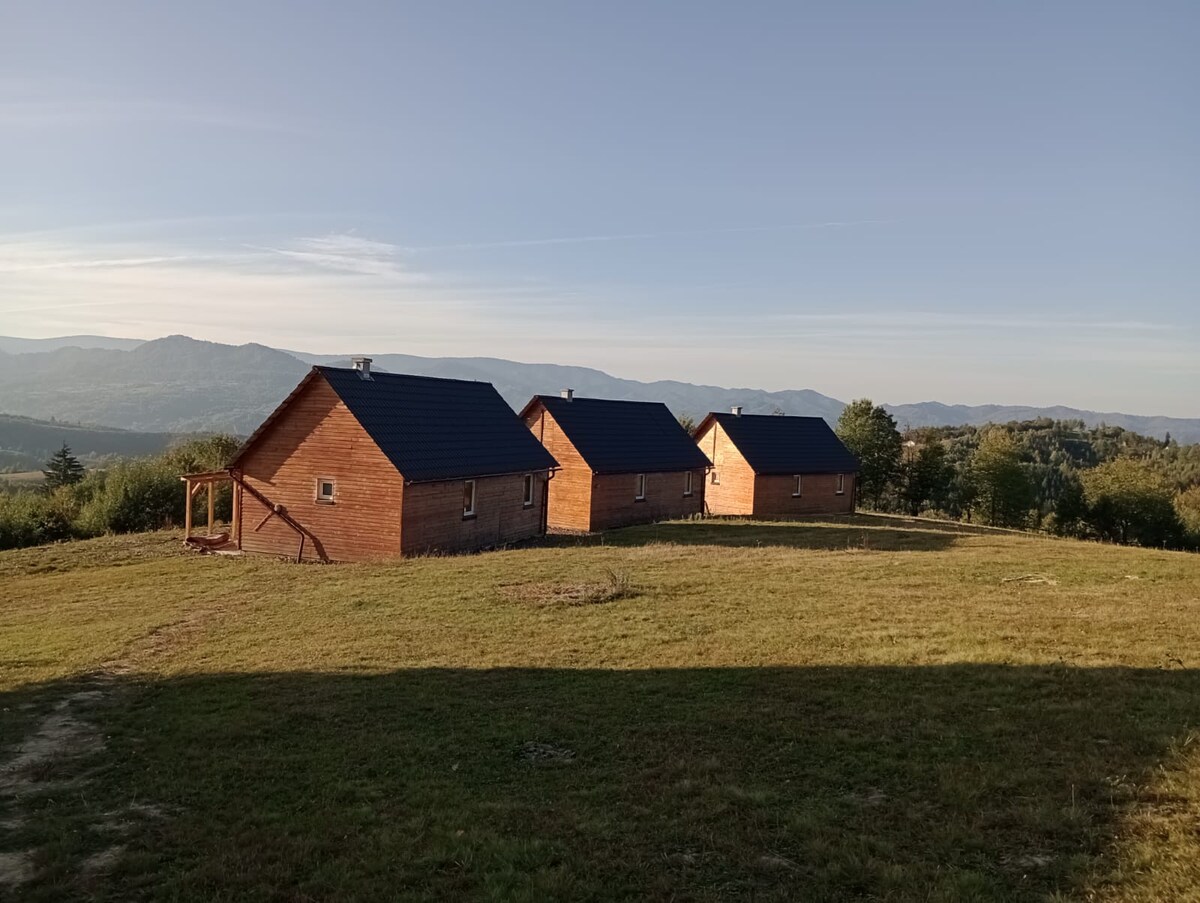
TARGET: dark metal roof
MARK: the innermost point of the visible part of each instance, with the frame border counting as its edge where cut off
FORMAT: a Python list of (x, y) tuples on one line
[(624, 436), (437, 429), (773, 444)]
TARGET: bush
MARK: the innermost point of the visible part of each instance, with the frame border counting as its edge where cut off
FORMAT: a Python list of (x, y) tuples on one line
[(1187, 508), (132, 497), (30, 519)]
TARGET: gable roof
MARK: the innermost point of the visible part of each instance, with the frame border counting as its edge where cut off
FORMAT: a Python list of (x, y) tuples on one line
[(773, 444), (623, 436), (431, 428)]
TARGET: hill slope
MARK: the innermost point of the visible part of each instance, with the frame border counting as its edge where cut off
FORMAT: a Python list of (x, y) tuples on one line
[(932, 713), (25, 443)]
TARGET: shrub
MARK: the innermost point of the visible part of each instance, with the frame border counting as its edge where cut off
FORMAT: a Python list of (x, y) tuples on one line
[(131, 497), (30, 519)]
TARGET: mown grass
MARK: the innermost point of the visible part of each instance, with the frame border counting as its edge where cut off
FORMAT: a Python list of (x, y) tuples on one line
[(865, 709)]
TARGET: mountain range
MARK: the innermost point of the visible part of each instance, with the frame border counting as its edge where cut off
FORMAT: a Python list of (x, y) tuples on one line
[(179, 384)]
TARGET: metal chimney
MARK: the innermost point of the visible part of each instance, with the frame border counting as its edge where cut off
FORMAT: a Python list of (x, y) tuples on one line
[(736, 410), (568, 394), (363, 366)]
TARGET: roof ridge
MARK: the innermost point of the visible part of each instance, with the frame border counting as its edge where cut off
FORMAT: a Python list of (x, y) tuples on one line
[(388, 373)]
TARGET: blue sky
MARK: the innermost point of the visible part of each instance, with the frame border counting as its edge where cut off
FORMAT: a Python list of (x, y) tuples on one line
[(961, 201)]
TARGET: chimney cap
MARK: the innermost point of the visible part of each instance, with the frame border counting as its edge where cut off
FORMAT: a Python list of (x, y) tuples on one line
[(736, 410), (568, 394)]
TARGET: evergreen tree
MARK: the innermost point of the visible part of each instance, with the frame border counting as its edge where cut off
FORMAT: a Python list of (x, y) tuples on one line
[(63, 469), (870, 433)]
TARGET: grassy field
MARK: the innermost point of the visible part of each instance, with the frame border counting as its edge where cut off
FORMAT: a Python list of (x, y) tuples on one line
[(23, 478), (866, 709)]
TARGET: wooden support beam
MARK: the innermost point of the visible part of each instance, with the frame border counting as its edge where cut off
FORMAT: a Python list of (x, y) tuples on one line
[(212, 520), (237, 516)]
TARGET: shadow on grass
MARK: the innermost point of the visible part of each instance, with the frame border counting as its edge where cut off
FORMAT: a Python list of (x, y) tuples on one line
[(821, 783), (864, 533)]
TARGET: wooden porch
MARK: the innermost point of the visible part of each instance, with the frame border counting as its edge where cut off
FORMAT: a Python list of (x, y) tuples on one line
[(229, 542)]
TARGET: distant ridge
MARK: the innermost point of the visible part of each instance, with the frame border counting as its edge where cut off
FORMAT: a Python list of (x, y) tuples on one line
[(179, 384), (14, 345)]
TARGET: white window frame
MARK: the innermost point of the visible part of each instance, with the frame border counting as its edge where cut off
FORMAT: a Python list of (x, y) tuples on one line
[(798, 485), (639, 492), (469, 509), (841, 484), (321, 497), (687, 484), (527, 491)]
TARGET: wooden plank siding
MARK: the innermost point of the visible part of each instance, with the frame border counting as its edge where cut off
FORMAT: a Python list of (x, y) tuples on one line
[(317, 437), (614, 502), (818, 495), (433, 514), (730, 489), (742, 492), (585, 501), (570, 502)]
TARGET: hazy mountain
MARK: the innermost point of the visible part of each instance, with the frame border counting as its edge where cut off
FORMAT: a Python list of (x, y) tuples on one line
[(14, 345), (178, 384)]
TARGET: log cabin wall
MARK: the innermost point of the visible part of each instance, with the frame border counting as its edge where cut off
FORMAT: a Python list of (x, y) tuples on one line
[(773, 495), (614, 502), (433, 514), (571, 489), (730, 488), (318, 438)]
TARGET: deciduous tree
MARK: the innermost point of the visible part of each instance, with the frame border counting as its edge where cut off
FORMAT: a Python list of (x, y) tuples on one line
[(1005, 494), (870, 433), (1128, 502)]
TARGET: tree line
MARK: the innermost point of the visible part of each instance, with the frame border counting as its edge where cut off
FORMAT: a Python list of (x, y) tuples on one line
[(1059, 476)]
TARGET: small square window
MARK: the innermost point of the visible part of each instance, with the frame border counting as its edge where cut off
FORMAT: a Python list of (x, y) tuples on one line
[(528, 496), (797, 486), (687, 483), (716, 478), (841, 484), (641, 488), (325, 489), (469, 498)]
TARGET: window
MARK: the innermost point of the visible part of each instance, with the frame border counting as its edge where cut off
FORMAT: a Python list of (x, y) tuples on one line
[(528, 497), (841, 484), (798, 487), (325, 490), (641, 488), (716, 478), (687, 483), (469, 498)]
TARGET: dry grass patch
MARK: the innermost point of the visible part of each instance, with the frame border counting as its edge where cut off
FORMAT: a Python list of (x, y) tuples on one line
[(613, 586)]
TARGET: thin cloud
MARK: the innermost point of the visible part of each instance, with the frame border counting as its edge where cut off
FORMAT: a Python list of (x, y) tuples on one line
[(27, 105), (638, 236), (349, 253)]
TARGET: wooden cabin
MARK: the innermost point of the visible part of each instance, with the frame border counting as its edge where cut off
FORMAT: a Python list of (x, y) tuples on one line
[(356, 465), (773, 466), (622, 462)]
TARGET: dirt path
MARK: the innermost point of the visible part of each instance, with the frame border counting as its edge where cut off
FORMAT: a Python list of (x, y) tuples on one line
[(54, 756)]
